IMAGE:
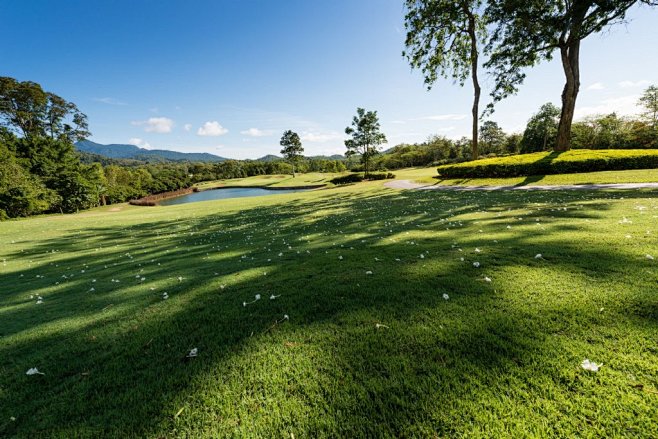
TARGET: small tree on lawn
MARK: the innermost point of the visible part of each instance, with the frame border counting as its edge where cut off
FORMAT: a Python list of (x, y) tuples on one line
[(292, 148), (366, 137)]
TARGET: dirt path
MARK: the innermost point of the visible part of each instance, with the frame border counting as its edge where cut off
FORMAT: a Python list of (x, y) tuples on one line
[(406, 184)]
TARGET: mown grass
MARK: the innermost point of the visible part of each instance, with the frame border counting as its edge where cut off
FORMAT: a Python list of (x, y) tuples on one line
[(497, 359), (428, 175), (308, 179)]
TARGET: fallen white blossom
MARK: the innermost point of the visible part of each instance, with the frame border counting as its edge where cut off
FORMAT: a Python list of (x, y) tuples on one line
[(590, 365)]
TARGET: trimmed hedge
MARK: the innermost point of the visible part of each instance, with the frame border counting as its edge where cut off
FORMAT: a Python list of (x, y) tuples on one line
[(544, 163), (346, 179), (380, 176), (356, 178)]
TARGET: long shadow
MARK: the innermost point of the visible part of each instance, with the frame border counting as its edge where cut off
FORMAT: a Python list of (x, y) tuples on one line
[(122, 346)]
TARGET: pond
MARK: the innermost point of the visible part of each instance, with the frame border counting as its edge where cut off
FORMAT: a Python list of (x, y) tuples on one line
[(218, 194)]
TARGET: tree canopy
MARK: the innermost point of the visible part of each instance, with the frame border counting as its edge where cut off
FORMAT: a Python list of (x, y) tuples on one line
[(292, 148), (442, 41), (529, 31), (541, 130), (28, 110), (366, 136), (649, 101)]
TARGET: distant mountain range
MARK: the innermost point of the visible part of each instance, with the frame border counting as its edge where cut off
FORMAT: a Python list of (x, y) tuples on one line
[(132, 152), (272, 158)]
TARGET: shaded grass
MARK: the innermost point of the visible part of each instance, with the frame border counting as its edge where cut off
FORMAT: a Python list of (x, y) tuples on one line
[(311, 178), (496, 359), (428, 175)]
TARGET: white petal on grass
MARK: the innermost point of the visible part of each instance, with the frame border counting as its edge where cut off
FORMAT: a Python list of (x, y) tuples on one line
[(538, 256), (445, 296), (487, 279), (193, 353), (476, 264), (379, 325), (272, 297), (368, 272), (590, 365), (649, 257), (33, 371)]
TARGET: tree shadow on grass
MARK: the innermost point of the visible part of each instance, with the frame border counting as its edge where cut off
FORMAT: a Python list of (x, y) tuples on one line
[(114, 357)]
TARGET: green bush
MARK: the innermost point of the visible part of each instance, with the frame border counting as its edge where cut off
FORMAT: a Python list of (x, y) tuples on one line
[(346, 179), (380, 176), (544, 163)]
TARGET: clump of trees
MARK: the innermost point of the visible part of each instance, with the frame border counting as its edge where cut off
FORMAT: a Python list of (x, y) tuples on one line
[(39, 168)]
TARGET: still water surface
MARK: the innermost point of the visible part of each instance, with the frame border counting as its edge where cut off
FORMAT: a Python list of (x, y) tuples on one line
[(218, 194)]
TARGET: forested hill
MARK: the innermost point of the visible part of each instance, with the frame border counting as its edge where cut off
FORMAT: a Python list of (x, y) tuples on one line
[(117, 151)]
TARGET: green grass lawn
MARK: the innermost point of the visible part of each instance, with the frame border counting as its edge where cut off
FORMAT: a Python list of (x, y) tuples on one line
[(370, 347), (309, 179), (429, 175)]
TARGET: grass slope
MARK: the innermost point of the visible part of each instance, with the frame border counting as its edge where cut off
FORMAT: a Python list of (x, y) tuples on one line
[(428, 175), (497, 359)]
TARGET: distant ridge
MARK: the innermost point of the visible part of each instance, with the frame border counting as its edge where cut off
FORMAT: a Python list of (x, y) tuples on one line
[(272, 157), (120, 151)]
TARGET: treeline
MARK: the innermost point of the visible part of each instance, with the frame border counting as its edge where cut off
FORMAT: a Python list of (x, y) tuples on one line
[(594, 132)]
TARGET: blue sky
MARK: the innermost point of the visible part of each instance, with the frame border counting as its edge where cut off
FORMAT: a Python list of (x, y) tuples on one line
[(228, 77)]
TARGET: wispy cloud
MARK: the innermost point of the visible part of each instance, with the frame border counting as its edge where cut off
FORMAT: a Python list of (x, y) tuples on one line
[(109, 101), (211, 129), (624, 105), (255, 132), (187, 126), (319, 137), (630, 84), (441, 117), (155, 124), (596, 86), (139, 142)]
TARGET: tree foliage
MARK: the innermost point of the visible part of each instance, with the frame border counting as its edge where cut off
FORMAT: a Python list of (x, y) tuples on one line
[(292, 148), (28, 110), (366, 137), (541, 131), (530, 31), (649, 101), (443, 39)]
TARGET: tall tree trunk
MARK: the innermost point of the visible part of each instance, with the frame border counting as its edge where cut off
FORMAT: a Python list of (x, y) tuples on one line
[(570, 55), (476, 84)]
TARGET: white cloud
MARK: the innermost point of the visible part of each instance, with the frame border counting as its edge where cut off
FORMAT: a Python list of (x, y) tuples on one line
[(187, 126), (629, 84), (110, 101), (156, 124), (624, 105), (596, 86), (139, 142), (212, 128), (308, 136), (446, 129), (255, 132), (445, 117)]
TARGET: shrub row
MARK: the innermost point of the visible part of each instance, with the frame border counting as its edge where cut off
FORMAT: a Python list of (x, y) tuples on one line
[(544, 163), (356, 178)]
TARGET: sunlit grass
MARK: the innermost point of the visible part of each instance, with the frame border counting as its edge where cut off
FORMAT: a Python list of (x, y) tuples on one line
[(362, 355), (429, 175)]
